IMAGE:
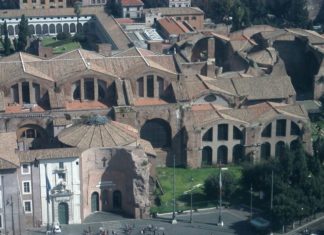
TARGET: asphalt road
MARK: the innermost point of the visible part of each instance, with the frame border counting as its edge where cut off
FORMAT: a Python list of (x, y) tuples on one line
[(204, 223)]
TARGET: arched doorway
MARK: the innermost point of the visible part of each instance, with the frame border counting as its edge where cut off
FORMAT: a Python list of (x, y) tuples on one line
[(265, 151), (117, 200), (280, 149), (94, 202), (63, 213), (238, 153), (158, 132), (104, 200), (207, 155), (222, 154)]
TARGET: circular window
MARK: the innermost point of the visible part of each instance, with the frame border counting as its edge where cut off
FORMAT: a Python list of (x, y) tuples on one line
[(210, 98)]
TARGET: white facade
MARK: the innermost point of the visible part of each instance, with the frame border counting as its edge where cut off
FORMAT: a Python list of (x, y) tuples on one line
[(45, 25), (69, 194), (132, 12), (94, 2), (179, 3)]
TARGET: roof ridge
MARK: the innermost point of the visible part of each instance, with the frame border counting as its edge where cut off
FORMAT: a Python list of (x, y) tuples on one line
[(22, 62), (83, 59), (146, 62)]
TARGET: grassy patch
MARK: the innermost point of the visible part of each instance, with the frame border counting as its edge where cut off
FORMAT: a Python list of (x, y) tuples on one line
[(183, 184), (60, 46)]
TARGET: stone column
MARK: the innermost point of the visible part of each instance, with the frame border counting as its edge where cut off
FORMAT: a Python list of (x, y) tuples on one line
[(230, 133), (156, 87), (20, 94), (32, 99), (288, 125), (273, 129), (95, 87), (145, 86), (82, 90)]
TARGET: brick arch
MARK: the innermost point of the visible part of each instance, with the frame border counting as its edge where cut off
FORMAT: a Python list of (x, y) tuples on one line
[(158, 132)]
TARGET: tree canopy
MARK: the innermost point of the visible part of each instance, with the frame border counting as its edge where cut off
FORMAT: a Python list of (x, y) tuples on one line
[(23, 34)]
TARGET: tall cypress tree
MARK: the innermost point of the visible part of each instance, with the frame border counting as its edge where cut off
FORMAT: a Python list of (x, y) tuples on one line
[(6, 42), (23, 34)]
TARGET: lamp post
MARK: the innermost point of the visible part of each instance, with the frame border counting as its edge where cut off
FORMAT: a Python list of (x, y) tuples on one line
[(251, 206), (191, 180), (174, 220), (220, 219), (271, 200)]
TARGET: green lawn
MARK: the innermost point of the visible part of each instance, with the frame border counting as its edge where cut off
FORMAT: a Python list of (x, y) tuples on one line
[(183, 184), (60, 46)]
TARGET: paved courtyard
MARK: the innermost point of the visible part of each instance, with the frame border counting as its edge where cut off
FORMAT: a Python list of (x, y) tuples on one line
[(204, 222)]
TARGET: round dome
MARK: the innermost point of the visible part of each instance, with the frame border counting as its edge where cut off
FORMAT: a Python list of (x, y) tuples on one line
[(104, 134)]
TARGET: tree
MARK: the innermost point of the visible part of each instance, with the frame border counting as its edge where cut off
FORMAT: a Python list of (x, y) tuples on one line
[(6, 42), (23, 34), (297, 13), (229, 185), (114, 8)]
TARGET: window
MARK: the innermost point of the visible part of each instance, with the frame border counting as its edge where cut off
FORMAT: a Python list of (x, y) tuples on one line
[(150, 86), (193, 18), (61, 165), (223, 132), (178, 18), (25, 169), (281, 127), (186, 18), (26, 187), (61, 176), (28, 207), (267, 131)]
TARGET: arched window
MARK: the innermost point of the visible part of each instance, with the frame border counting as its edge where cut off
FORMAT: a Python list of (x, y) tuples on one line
[(59, 28), (280, 149), (222, 153), (208, 136), (207, 156), (210, 98), (161, 86), (265, 151), (140, 87), (294, 130), (294, 145), (45, 29), (38, 29), (158, 132), (238, 153), (94, 202), (89, 89), (72, 28), (31, 29), (52, 29), (223, 132), (267, 131), (101, 90), (11, 30), (237, 133), (66, 28), (85, 27)]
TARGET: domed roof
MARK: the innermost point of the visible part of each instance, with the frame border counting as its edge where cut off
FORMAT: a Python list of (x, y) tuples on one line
[(93, 134)]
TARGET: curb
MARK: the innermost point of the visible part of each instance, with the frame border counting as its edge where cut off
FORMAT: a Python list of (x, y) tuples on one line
[(188, 211)]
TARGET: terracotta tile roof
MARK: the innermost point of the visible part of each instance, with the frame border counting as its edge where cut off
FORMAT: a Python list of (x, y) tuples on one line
[(131, 3), (172, 26), (148, 101), (111, 134), (41, 154), (124, 20), (173, 11), (16, 108), (78, 105)]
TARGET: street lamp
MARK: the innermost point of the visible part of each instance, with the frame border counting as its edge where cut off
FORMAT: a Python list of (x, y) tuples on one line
[(220, 219), (191, 180), (174, 220), (251, 213)]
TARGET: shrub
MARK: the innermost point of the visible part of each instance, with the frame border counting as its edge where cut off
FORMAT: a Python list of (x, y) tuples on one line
[(63, 36), (80, 37)]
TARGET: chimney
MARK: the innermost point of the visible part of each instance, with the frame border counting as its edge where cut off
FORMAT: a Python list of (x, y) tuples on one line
[(211, 48), (104, 49)]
